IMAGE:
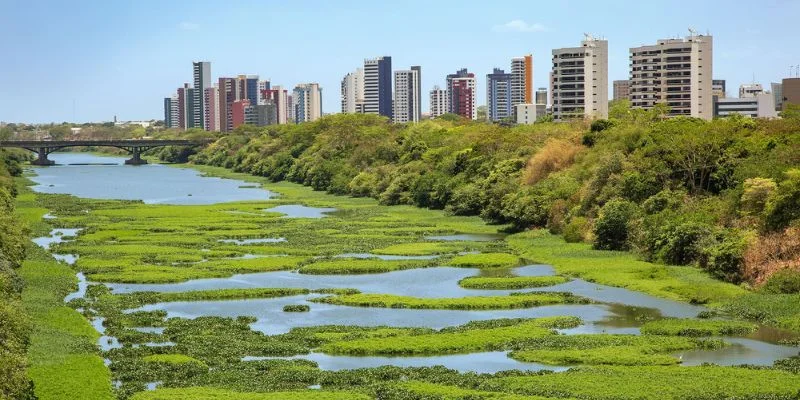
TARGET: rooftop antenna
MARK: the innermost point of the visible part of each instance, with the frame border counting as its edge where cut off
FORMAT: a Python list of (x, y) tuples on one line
[(692, 32)]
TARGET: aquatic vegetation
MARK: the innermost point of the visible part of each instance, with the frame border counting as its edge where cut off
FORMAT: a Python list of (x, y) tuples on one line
[(654, 382), (469, 339), (428, 390), (425, 248), (485, 260), (202, 393), (780, 310), (172, 359), (511, 282), (361, 266), (695, 327), (518, 300), (622, 269), (297, 308)]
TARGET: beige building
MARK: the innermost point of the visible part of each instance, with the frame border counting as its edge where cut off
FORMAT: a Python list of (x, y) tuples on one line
[(677, 72), (750, 90), (438, 102), (579, 80), (622, 89), (525, 113)]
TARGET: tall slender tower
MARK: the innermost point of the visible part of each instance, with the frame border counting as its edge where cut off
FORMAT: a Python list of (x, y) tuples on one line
[(498, 95), (202, 80), (408, 95), (378, 86), (522, 80), (353, 91), (308, 102)]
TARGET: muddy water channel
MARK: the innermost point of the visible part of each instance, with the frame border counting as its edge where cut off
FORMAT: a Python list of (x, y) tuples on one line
[(612, 310)]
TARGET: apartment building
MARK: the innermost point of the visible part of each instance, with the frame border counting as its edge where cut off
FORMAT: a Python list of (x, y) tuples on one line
[(579, 80)]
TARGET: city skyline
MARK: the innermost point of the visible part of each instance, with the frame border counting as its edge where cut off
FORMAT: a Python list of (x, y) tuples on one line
[(78, 50)]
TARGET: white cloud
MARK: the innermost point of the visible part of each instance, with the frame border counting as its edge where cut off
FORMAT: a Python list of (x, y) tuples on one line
[(518, 25), (188, 26)]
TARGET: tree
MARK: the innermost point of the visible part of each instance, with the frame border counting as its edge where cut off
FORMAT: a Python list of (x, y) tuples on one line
[(784, 206), (612, 228), (755, 195), (790, 111)]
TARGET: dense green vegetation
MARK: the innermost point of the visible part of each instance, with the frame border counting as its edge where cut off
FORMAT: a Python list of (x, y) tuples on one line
[(511, 282), (14, 324), (693, 327), (516, 300), (677, 191)]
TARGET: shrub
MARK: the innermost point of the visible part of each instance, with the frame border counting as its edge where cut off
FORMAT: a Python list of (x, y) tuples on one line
[(725, 259), (296, 308), (772, 253), (611, 229), (755, 195), (784, 206), (576, 229), (556, 155), (786, 281), (663, 200)]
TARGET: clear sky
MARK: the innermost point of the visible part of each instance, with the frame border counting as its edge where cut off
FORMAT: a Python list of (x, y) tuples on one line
[(88, 60)]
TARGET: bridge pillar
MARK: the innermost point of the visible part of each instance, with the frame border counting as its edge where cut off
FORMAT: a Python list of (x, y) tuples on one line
[(136, 159), (41, 158)]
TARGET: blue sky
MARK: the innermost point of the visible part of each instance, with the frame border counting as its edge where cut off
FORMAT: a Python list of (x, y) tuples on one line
[(88, 60)]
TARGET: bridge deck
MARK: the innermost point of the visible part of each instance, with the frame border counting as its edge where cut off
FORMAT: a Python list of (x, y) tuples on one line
[(112, 143)]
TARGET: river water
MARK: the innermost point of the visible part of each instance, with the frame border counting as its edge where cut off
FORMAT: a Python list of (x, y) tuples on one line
[(616, 310)]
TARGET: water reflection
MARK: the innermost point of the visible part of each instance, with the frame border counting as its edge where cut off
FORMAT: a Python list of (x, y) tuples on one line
[(299, 211)]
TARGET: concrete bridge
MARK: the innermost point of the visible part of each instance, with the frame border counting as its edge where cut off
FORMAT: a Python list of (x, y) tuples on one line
[(134, 146)]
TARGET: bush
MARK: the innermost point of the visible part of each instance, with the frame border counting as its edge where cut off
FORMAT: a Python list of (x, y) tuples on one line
[(755, 195), (786, 281), (683, 244), (784, 206), (576, 229), (772, 253), (296, 308), (556, 155), (612, 228), (725, 260)]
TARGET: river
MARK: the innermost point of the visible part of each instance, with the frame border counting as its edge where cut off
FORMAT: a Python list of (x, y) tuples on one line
[(92, 176)]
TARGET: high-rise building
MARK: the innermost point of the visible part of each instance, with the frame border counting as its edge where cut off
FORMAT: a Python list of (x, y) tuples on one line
[(280, 97), (248, 88), (307, 102), (378, 86), (262, 86), (242, 112), (353, 92), (522, 80), (541, 102), (580, 80), (499, 88), (777, 93), (408, 95), (676, 72), (211, 110), (790, 88), (202, 80), (622, 89), (461, 96), (184, 99), (228, 90), (759, 105), (750, 90), (526, 114), (171, 112), (267, 113), (438, 102)]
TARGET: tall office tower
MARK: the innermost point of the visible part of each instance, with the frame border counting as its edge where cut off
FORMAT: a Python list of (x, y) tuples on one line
[(171, 112), (580, 80), (290, 107), (202, 80), (541, 101), (184, 99), (522, 80), (461, 97), (790, 89), (353, 91), (211, 111), (750, 90), (438, 102), (676, 72), (499, 88), (378, 86), (229, 92), (622, 89), (248, 88), (278, 96), (267, 113), (308, 102), (408, 95), (777, 93)]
